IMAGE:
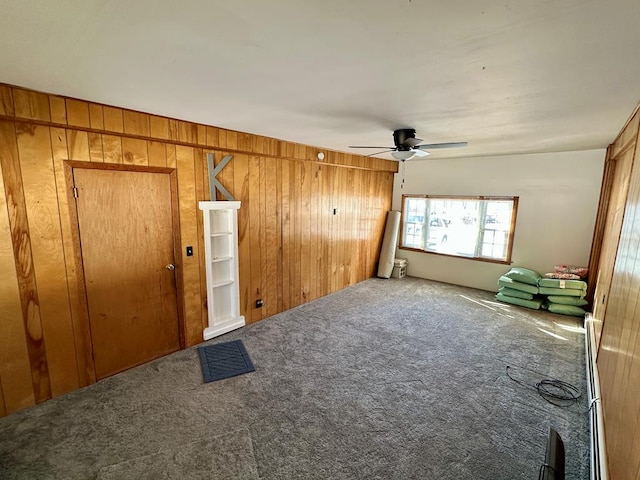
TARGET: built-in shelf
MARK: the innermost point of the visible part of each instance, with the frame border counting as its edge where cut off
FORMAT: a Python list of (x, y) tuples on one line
[(221, 283), (221, 255)]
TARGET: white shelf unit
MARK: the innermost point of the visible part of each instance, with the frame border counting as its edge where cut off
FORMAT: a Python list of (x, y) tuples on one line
[(221, 257)]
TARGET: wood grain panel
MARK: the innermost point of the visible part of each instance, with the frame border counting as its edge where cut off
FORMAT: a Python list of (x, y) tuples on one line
[(74, 282), (286, 256), (264, 287), (15, 374), (202, 134), (159, 127), (305, 232), (272, 295), (113, 119), (112, 149), (255, 289), (292, 248), (628, 134), (58, 108), (295, 293), (613, 225), (95, 147), (200, 159), (78, 113), (20, 236), (78, 145), (136, 123), (187, 132), (328, 176), (36, 164), (336, 240), (212, 137), (96, 116), (241, 193), (189, 236), (617, 359), (134, 152), (314, 224), (157, 154), (171, 156), (31, 105), (6, 101), (173, 129)]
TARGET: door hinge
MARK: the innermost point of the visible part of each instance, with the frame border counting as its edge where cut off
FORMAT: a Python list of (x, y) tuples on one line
[(75, 192)]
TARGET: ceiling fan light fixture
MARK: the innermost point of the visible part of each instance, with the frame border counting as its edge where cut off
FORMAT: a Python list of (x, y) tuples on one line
[(420, 153), (403, 154), (408, 154)]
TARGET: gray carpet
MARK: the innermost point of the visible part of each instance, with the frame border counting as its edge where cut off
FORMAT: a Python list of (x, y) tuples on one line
[(388, 379)]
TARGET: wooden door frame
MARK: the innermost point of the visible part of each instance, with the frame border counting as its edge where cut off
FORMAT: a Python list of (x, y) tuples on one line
[(82, 336)]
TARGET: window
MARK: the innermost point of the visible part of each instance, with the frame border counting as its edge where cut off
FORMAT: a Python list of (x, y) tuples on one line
[(471, 227)]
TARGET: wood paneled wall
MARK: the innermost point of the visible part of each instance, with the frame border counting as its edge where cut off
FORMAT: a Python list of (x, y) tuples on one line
[(306, 228), (613, 198), (619, 353)]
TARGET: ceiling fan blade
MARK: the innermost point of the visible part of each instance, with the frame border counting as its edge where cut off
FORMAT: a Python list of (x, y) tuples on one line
[(384, 151), (360, 146), (434, 146), (411, 142)]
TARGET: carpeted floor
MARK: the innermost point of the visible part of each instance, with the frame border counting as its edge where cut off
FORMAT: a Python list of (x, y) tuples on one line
[(388, 379)]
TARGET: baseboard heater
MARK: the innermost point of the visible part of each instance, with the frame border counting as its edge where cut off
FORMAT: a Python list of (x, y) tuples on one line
[(598, 451)]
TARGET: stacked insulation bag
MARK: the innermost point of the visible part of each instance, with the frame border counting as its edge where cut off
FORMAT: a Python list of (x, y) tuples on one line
[(519, 286), (564, 290)]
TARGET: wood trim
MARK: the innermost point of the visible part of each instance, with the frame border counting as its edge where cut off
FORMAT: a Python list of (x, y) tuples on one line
[(177, 257), (19, 224), (174, 141), (82, 326), (477, 259), (459, 197), (83, 334), (512, 229), (116, 166), (626, 124), (3, 405), (600, 223)]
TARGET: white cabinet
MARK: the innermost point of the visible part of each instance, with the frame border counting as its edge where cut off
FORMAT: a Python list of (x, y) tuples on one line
[(221, 257)]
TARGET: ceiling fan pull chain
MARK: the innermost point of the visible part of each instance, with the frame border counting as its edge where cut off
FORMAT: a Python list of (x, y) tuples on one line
[(402, 173)]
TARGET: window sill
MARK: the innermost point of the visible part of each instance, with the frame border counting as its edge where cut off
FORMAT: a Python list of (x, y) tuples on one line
[(477, 259)]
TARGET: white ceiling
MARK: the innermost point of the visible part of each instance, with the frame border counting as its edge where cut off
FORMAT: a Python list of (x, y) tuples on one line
[(508, 76)]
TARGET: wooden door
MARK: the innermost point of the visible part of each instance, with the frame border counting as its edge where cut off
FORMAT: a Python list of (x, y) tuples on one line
[(609, 248), (126, 235)]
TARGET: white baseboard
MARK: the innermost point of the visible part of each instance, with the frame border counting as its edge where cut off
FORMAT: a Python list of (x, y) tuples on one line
[(227, 326), (599, 469)]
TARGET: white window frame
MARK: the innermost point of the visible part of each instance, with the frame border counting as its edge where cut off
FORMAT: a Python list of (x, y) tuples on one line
[(420, 228)]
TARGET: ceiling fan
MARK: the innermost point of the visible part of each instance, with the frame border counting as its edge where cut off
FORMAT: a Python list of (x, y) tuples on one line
[(407, 146)]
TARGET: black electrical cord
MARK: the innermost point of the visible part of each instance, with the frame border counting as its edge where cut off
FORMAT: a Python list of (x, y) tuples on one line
[(543, 468), (556, 392)]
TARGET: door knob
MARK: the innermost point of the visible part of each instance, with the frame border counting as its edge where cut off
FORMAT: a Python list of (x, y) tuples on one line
[(171, 266)]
